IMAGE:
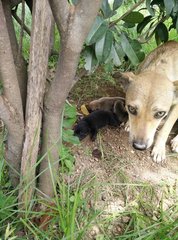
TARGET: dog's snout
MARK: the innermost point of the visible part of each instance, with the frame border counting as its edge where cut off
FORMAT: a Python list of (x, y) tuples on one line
[(139, 145)]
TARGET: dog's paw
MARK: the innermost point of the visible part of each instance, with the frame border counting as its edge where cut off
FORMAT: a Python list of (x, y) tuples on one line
[(174, 144), (127, 127), (158, 154)]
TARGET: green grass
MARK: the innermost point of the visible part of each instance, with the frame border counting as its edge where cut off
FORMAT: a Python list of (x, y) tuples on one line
[(70, 214)]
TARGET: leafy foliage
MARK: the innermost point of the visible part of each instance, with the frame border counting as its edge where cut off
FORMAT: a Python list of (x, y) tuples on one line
[(68, 137), (70, 118), (6, 205), (111, 39)]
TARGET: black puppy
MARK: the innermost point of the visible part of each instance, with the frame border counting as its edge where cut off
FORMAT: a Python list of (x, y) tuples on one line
[(90, 124)]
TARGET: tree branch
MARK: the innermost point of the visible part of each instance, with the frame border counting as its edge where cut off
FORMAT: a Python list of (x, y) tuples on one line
[(14, 3), (21, 32), (9, 77), (60, 11), (38, 63), (80, 23), (13, 119), (126, 14), (14, 14), (20, 63)]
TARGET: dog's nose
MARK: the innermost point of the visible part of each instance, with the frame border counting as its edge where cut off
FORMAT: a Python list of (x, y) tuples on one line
[(139, 146)]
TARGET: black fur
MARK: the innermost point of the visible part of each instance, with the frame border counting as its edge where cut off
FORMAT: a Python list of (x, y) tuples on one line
[(90, 124)]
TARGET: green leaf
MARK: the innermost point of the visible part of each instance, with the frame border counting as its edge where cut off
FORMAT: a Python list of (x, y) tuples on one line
[(73, 2), (119, 50), (99, 46), (116, 60), (70, 111), (69, 122), (67, 157), (143, 24), (106, 9), (169, 5), (161, 33), (69, 165), (103, 47), (175, 9), (150, 9), (97, 31), (157, 38), (177, 24), (90, 60), (140, 55), (134, 17), (68, 136), (117, 4), (129, 51), (135, 45), (128, 25)]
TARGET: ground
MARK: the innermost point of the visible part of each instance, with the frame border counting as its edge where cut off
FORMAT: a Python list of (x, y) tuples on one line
[(123, 176)]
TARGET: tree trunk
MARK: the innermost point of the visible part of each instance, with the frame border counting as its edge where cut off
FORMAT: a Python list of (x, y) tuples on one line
[(74, 23), (53, 108), (52, 37), (20, 63), (13, 103), (39, 52)]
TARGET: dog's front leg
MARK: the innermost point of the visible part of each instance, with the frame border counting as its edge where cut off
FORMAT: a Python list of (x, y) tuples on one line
[(174, 144), (93, 133), (159, 150)]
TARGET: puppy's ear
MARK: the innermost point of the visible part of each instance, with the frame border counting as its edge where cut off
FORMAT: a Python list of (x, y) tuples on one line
[(124, 78), (120, 110), (176, 92)]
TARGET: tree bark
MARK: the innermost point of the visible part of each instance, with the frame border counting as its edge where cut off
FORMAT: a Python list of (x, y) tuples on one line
[(20, 63), (74, 23), (39, 52), (52, 37), (11, 92)]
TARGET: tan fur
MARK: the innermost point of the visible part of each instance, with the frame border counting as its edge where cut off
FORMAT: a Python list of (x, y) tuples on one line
[(104, 103), (150, 91)]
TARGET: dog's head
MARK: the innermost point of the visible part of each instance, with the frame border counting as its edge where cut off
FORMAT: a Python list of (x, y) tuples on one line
[(81, 130), (149, 98)]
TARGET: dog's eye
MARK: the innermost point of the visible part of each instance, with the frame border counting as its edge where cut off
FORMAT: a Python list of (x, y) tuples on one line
[(159, 114), (132, 110)]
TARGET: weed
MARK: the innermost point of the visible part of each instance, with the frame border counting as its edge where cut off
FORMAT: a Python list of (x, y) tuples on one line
[(68, 137)]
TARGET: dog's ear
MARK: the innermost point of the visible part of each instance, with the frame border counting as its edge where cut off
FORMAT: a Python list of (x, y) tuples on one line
[(124, 78), (176, 92)]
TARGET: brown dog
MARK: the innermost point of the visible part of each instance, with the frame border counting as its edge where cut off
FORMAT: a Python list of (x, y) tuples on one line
[(151, 96)]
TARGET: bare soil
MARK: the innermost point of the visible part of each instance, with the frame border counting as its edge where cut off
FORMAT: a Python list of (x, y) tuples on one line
[(113, 143), (120, 173)]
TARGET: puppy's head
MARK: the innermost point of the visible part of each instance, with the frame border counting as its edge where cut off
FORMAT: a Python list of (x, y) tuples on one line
[(120, 111), (81, 130), (149, 98)]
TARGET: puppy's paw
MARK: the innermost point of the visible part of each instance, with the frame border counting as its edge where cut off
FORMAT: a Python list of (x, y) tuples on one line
[(174, 144), (159, 154)]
